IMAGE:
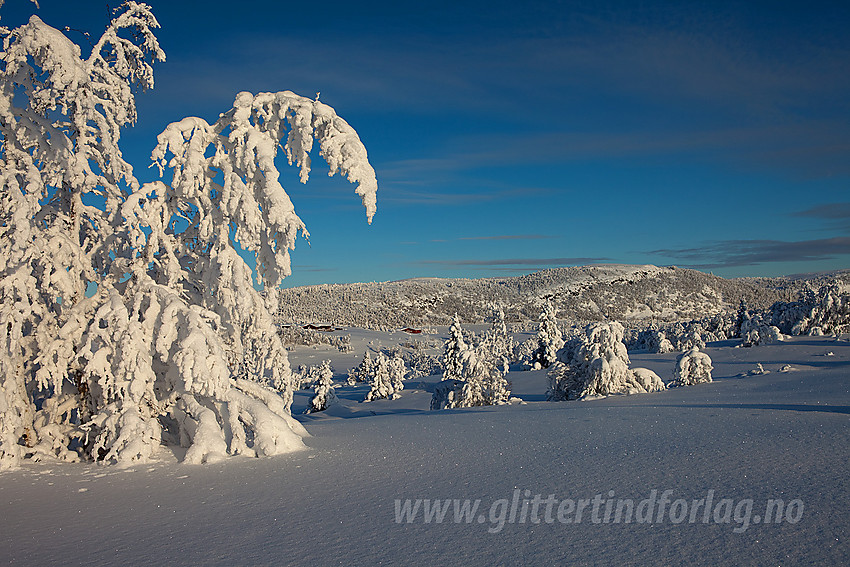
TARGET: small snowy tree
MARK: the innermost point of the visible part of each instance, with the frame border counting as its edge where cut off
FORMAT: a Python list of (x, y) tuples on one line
[(658, 343), (363, 371), (549, 338), (312, 375), (692, 367), (498, 341), (387, 378), (474, 371), (741, 316), (483, 384), (525, 352), (596, 363), (646, 380), (453, 351), (324, 394), (175, 332), (398, 372), (755, 333)]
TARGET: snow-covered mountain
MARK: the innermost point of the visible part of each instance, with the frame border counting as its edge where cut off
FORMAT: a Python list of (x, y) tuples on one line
[(589, 293)]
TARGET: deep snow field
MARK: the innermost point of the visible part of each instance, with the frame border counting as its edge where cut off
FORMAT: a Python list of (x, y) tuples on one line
[(736, 443)]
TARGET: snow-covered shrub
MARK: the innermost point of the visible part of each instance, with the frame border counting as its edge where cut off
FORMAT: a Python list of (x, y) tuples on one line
[(647, 381), (761, 335), (446, 394), (549, 338), (692, 338), (754, 331), (174, 334), (759, 370), (596, 364), (658, 343), (692, 367)]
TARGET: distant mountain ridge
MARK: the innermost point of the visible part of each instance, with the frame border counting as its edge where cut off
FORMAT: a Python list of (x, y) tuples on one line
[(627, 293)]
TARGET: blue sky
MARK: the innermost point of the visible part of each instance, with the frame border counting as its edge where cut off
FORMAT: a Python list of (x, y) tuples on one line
[(510, 137)]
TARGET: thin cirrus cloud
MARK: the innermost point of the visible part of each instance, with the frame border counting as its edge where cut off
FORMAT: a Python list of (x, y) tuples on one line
[(839, 212), (737, 253)]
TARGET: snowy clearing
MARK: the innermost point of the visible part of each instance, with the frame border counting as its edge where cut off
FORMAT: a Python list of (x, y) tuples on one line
[(743, 438)]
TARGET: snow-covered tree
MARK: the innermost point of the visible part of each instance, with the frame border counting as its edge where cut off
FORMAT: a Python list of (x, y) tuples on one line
[(498, 341), (658, 343), (692, 367), (312, 375), (363, 371), (645, 380), (387, 378), (741, 316), (596, 363), (483, 384), (174, 331), (453, 351), (549, 338), (476, 370), (525, 352), (324, 394), (828, 313), (398, 372), (447, 394), (754, 333)]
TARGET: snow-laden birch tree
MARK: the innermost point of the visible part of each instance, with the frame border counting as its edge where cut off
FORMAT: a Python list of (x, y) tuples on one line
[(175, 344)]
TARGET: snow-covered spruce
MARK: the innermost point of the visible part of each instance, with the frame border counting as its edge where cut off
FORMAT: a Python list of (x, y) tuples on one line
[(596, 363), (175, 344), (549, 338), (474, 371), (692, 367), (447, 394), (312, 375), (828, 313), (363, 371), (741, 316), (498, 341), (387, 378), (454, 351), (324, 394), (657, 342)]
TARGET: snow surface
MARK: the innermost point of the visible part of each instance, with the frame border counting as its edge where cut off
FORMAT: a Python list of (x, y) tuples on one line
[(776, 435)]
